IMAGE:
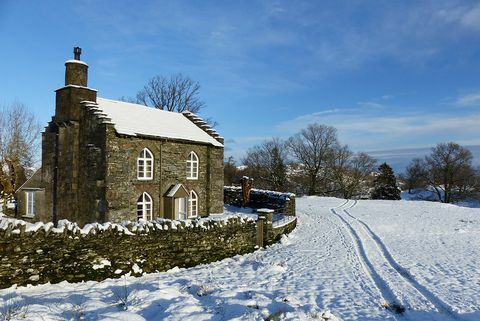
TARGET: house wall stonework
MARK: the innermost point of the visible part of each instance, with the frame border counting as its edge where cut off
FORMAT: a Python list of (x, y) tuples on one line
[(170, 167)]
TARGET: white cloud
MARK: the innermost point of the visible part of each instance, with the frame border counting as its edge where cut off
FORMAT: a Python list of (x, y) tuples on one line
[(472, 18), (471, 99), (369, 132)]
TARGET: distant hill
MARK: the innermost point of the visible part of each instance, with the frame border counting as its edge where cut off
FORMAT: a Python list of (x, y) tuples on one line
[(399, 158)]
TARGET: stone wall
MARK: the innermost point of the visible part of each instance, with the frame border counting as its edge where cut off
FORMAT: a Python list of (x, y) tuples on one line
[(279, 202), (41, 253)]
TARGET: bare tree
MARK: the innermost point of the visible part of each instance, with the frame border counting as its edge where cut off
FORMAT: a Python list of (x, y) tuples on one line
[(351, 173), (448, 168), (19, 144), (231, 173), (312, 147), (415, 174), (177, 93), (266, 163)]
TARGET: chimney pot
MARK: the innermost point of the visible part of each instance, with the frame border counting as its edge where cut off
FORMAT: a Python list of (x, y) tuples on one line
[(77, 51)]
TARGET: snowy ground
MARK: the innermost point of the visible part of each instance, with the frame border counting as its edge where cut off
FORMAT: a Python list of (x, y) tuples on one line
[(365, 260)]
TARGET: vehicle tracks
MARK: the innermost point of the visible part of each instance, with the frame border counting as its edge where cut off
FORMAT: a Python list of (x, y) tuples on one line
[(384, 271)]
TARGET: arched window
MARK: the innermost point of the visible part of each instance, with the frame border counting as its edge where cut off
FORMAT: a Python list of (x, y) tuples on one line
[(192, 166), (144, 207), (145, 165), (193, 204)]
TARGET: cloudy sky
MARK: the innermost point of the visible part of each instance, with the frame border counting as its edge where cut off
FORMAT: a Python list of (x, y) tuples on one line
[(387, 74)]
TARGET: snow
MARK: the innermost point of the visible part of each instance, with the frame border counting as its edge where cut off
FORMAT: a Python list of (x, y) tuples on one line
[(133, 119), (127, 227), (346, 260), (75, 61), (175, 189), (104, 262)]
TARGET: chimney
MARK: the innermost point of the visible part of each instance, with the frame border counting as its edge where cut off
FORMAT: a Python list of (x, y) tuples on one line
[(67, 103), (76, 71)]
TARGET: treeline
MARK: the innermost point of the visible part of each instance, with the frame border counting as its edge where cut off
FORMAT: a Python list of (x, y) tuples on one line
[(447, 171), (311, 162), (314, 162)]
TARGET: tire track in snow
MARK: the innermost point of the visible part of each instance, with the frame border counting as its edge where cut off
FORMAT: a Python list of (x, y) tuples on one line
[(385, 291), (441, 306)]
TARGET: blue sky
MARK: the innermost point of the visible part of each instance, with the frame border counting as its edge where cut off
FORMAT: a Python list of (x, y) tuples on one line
[(387, 74)]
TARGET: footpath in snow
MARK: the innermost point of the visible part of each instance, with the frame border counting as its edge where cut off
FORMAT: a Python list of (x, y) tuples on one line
[(347, 260)]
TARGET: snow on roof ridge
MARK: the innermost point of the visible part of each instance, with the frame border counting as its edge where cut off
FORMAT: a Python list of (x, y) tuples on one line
[(75, 61), (76, 86)]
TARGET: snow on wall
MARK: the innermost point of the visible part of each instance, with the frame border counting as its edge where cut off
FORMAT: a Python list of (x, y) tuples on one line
[(278, 201), (15, 226), (40, 253)]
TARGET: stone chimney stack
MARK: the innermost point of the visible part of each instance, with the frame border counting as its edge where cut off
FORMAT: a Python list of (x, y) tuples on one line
[(69, 97), (76, 71)]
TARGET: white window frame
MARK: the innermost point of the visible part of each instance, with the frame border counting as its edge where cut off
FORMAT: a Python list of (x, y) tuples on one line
[(145, 163), (193, 204), (192, 165), (145, 207), (29, 203)]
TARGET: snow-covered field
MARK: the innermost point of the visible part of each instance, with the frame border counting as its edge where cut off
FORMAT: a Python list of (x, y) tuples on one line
[(365, 260)]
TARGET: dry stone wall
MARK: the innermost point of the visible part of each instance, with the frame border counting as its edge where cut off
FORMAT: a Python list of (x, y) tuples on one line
[(34, 254), (279, 202)]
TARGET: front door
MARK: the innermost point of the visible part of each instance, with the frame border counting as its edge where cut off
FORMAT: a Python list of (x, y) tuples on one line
[(181, 208)]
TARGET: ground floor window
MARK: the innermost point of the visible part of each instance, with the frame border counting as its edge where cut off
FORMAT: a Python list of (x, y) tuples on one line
[(193, 204), (30, 203), (144, 207)]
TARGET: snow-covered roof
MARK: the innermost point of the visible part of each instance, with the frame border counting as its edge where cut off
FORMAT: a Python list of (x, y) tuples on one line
[(138, 120), (175, 189), (75, 61)]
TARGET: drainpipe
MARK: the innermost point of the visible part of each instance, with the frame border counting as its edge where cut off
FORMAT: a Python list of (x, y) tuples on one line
[(160, 195), (55, 182)]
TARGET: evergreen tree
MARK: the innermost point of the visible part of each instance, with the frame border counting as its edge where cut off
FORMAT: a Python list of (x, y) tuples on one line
[(385, 184)]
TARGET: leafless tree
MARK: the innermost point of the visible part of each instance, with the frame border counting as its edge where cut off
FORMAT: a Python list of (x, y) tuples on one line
[(415, 174), (312, 148), (231, 173), (177, 93), (448, 169), (351, 173), (19, 143), (267, 164)]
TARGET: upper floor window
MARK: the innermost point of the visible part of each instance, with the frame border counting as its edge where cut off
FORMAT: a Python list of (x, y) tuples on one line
[(144, 207), (30, 203), (193, 204), (145, 165), (192, 166)]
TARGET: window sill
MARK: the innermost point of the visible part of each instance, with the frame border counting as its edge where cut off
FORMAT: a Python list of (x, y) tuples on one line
[(192, 178), (145, 179), (28, 216)]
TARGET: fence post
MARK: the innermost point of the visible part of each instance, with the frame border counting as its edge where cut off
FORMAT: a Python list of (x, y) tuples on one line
[(265, 216)]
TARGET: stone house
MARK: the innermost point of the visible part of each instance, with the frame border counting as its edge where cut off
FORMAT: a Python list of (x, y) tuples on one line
[(106, 160)]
